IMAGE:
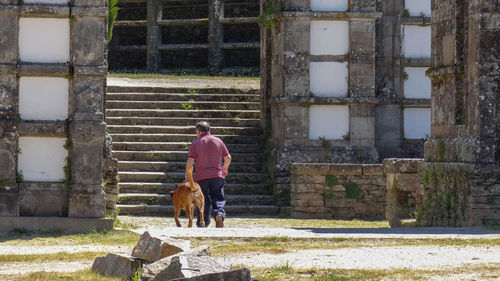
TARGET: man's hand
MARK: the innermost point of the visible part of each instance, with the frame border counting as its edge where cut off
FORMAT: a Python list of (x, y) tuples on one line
[(225, 170), (227, 161)]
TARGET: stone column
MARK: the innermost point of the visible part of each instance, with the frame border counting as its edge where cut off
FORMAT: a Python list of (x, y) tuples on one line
[(215, 35), (463, 154), (154, 11)]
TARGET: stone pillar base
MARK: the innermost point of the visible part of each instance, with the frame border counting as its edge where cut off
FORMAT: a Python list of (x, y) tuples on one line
[(87, 204), (460, 194)]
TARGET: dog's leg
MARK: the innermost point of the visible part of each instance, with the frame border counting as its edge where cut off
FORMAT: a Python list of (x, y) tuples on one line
[(177, 211), (201, 206), (189, 213)]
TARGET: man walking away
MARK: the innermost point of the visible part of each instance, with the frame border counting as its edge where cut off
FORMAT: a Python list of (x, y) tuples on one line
[(207, 152)]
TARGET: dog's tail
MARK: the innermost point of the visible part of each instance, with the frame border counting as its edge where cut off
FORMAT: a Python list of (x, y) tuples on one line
[(191, 181)]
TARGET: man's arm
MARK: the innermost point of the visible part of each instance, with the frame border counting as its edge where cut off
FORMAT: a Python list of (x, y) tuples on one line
[(189, 166), (227, 161)]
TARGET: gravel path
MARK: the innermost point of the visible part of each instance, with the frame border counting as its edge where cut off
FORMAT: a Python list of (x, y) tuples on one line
[(24, 268), (35, 250), (397, 233), (406, 257)]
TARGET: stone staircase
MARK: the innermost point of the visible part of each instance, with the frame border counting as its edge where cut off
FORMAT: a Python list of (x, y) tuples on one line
[(152, 129)]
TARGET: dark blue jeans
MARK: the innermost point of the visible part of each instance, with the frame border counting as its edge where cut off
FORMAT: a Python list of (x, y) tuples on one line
[(213, 191)]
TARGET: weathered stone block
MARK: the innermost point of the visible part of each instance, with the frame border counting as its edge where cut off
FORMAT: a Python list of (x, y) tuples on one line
[(89, 43), (373, 170), (7, 166), (152, 249), (345, 169), (9, 35), (187, 265), (403, 165), (242, 274), (8, 96), (116, 265), (8, 201), (43, 200), (87, 204), (86, 163)]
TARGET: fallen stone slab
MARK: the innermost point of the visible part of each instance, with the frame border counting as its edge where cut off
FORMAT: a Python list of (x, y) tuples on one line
[(116, 265), (233, 275), (152, 249), (156, 267), (185, 266)]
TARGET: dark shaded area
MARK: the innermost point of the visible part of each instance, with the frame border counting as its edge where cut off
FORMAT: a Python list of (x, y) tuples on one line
[(127, 60), (241, 58), (185, 10), (241, 8), (131, 11), (241, 33), (185, 34), (184, 58), (124, 36)]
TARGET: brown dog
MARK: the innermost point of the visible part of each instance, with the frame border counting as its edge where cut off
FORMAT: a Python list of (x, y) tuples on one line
[(184, 197)]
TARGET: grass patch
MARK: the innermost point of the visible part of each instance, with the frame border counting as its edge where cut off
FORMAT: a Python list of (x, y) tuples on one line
[(279, 245), (174, 77), (112, 237), (82, 275), (279, 273), (66, 257)]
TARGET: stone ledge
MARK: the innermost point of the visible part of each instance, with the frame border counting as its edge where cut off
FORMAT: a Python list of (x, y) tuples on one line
[(332, 15), (53, 224), (43, 128)]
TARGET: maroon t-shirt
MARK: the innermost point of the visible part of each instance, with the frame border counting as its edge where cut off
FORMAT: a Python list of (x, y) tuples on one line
[(208, 152)]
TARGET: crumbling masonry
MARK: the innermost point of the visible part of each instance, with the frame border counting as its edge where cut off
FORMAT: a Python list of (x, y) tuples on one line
[(52, 130)]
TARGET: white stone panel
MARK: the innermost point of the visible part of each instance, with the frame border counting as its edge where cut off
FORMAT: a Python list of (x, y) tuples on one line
[(417, 123), (417, 41), (328, 121), (44, 40), (43, 98), (329, 79), (417, 86), (329, 37), (42, 159), (418, 7), (46, 1), (329, 5)]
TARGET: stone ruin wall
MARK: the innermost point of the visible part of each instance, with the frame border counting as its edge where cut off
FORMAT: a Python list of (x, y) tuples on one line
[(52, 129), (338, 191), (344, 82), (462, 171)]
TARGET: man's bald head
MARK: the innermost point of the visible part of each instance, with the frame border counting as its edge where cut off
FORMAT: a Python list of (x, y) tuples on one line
[(203, 126)]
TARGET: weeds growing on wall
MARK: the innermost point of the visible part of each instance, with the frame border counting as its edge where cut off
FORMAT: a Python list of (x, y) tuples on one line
[(113, 12), (352, 190), (269, 16)]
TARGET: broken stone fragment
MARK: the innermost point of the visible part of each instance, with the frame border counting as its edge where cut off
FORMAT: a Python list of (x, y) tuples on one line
[(156, 267), (233, 275), (186, 266), (116, 265), (152, 249)]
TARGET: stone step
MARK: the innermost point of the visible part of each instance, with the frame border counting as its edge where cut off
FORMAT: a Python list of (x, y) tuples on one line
[(209, 113), (152, 129), (183, 105), (182, 97), (157, 166), (165, 199), (178, 177), (168, 156), (228, 139), (180, 146), (165, 188), (152, 89), (183, 121), (168, 210)]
